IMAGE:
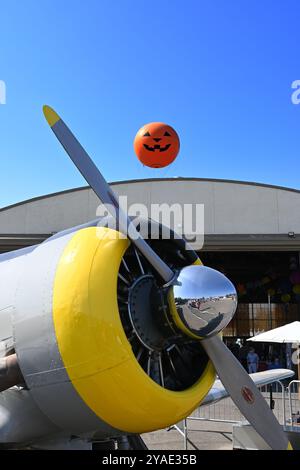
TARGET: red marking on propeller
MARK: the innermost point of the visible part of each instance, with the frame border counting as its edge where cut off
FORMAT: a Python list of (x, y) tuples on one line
[(248, 395)]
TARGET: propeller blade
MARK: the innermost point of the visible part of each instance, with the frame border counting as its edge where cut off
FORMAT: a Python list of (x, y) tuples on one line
[(245, 394), (94, 178)]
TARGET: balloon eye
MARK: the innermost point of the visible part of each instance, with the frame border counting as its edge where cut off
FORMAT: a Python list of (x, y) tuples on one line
[(147, 134), (166, 134)]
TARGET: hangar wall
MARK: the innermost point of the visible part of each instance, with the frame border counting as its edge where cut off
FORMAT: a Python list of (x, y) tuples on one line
[(238, 215)]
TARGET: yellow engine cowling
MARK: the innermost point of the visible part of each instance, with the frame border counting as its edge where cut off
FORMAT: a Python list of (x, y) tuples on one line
[(94, 347)]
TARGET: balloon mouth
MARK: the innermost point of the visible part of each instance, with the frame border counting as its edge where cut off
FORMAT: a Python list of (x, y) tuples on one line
[(157, 147), (205, 301)]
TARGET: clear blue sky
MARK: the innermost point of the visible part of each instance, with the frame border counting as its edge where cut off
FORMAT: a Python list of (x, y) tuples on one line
[(220, 72)]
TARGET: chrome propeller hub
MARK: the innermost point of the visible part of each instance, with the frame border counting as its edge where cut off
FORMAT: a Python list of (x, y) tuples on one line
[(205, 300)]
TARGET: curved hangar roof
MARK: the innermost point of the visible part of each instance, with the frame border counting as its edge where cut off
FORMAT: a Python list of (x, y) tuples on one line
[(238, 215)]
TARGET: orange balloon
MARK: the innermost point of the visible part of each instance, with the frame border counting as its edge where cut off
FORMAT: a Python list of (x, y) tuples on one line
[(156, 144)]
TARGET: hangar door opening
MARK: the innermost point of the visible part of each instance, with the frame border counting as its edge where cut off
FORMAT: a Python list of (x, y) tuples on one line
[(268, 286)]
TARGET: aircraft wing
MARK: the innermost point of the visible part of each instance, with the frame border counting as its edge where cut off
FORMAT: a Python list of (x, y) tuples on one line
[(218, 391)]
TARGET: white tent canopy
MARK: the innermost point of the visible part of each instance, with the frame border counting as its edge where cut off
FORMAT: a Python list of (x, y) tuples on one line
[(289, 333)]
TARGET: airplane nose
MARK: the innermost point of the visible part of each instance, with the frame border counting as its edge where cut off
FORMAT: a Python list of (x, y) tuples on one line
[(156, 139)]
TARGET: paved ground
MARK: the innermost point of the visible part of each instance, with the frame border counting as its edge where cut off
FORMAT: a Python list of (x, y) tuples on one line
[(204, 435), (208, 435)]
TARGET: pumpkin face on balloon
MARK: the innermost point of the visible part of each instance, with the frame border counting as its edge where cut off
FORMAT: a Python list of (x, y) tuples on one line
[(156, 144)]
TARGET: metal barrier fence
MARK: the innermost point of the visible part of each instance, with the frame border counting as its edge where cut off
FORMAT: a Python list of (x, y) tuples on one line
[(294, 404), (284, 401)]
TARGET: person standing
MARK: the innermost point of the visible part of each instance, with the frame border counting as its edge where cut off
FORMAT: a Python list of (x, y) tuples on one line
[(252, 361), (243, 353)]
